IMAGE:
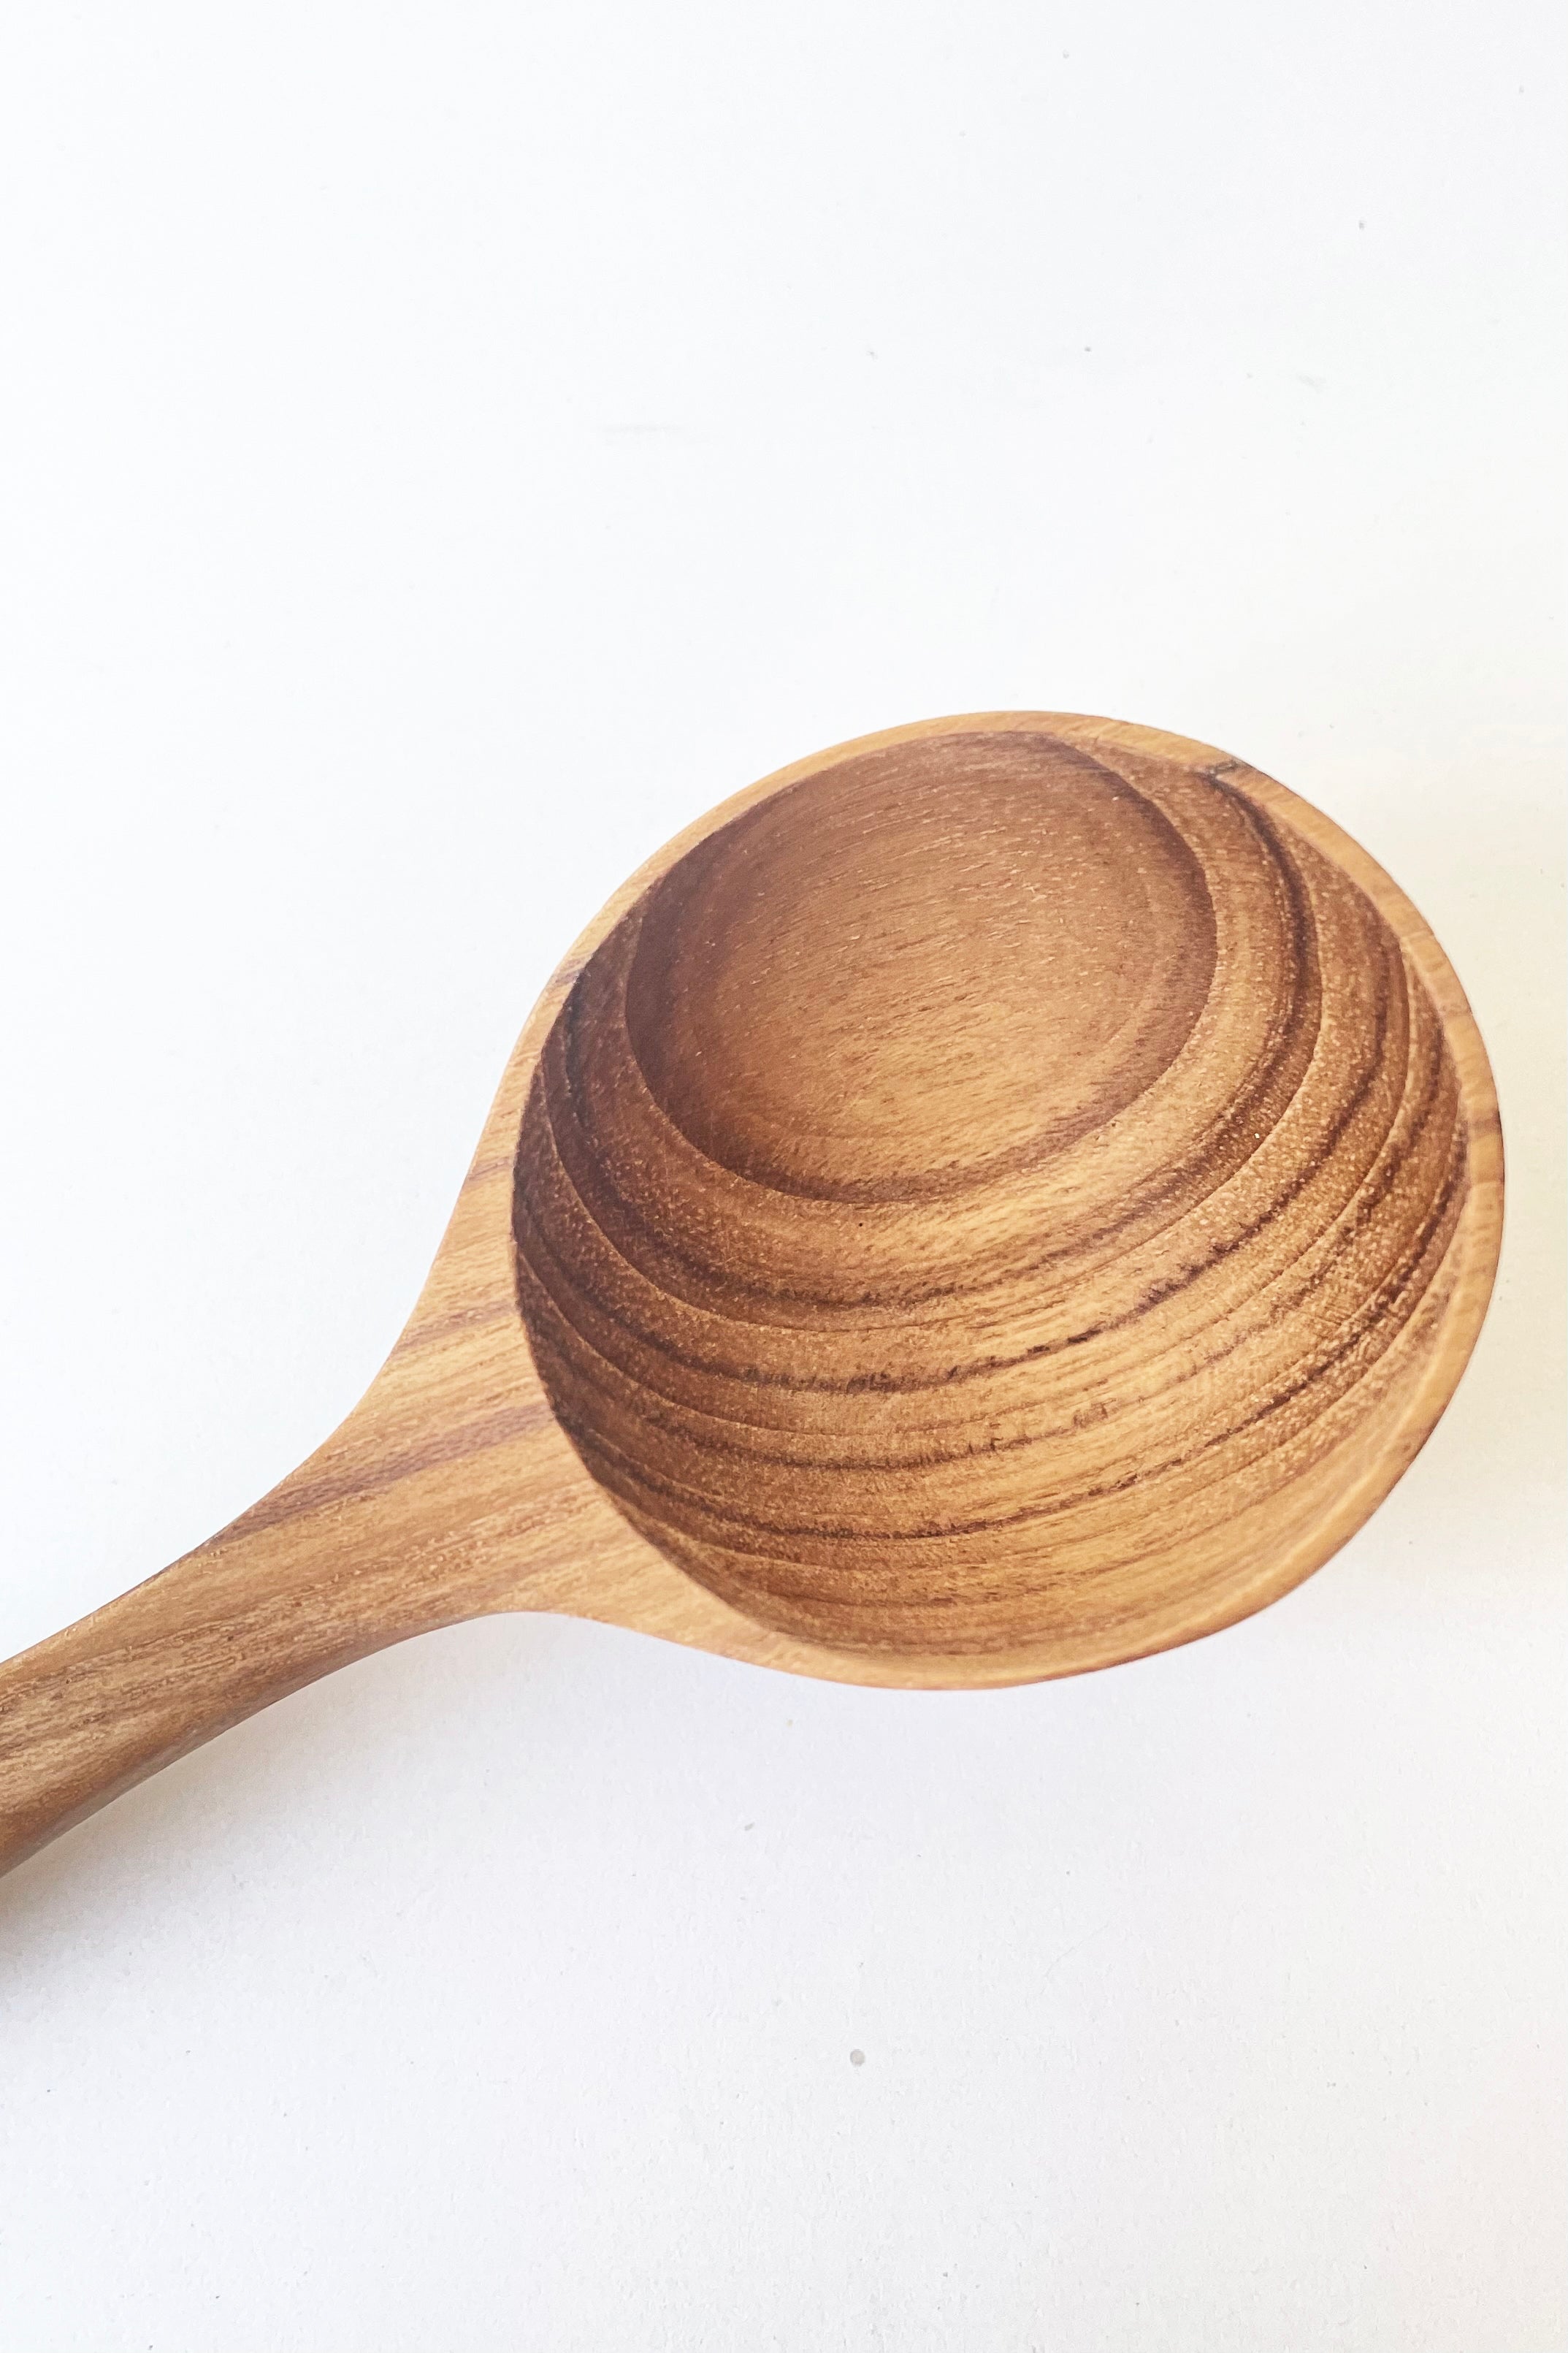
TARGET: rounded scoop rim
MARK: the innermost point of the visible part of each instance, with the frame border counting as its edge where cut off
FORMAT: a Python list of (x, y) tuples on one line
[(660, 1597)]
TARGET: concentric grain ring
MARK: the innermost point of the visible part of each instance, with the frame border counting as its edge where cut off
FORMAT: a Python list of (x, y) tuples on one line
[(988, 1187)]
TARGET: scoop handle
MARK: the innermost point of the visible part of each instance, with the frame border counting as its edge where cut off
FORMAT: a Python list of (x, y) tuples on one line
[(398, 1524), (93, 1710)]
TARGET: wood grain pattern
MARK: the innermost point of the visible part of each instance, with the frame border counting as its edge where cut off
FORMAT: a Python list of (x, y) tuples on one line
[(998, 1198)]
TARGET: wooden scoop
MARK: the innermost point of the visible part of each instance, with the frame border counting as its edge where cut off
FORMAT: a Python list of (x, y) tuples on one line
[(1000, 1197)]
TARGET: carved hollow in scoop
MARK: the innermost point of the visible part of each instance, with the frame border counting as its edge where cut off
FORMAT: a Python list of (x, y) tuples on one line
[(987, 1191)]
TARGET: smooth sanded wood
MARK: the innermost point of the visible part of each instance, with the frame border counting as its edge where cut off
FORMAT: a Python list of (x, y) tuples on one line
[(1001, 1198)]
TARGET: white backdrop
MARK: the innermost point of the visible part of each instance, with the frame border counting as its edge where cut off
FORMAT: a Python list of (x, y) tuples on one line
[(443, 448)]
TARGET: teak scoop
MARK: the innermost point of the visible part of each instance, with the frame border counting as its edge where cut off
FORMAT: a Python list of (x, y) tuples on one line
[(1000, 1197)]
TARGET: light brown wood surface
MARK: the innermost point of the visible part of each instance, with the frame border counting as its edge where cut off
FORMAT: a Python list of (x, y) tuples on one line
[(997, 1198)]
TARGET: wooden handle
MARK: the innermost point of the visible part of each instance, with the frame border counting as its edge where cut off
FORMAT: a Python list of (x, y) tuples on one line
[(405, 1520), (94, 1710), (345, 1557)]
